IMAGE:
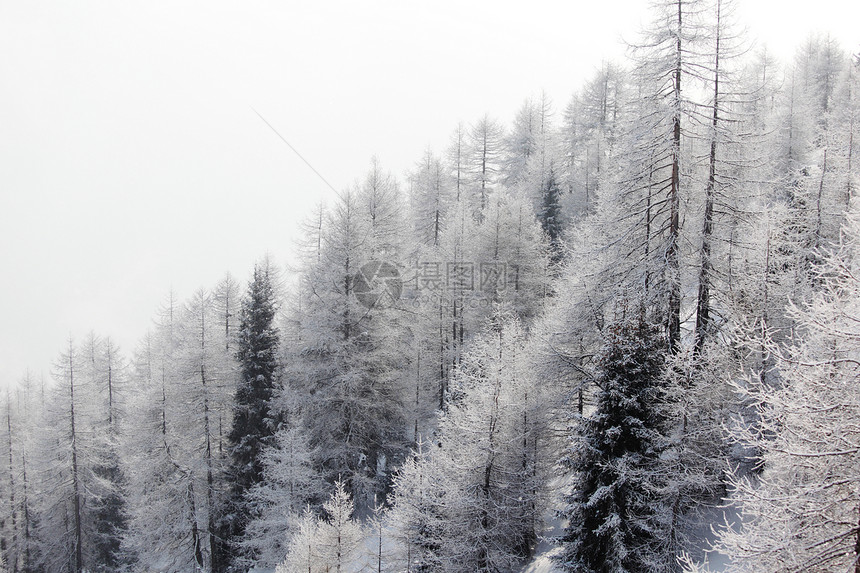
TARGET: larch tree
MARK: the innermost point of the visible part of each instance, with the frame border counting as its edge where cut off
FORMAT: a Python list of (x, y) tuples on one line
[(175, 470), (590, 126), (289, 485), (801, 511), (728, 153), (485, 147), (511, 260), (200, 383), (9, 510), (417, 519), (64, 463), (456, 161), (430, 198), (529, 148), (474, 501), (20, 414), (328, 543), (654, 180), (163, 530), (344, 378)]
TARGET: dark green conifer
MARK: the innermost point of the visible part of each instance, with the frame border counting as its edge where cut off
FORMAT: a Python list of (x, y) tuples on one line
[(613, 512), (550, 215), (254, 422)]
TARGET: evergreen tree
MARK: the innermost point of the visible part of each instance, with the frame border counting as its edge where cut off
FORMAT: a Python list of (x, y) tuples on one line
[(254, 423), (550, 215), (613, 512)]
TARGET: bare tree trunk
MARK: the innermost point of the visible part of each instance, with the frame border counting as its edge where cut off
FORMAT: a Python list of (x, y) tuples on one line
[(672, 259), (818, 204), (195, 532), (703, 305), (857, 547), (76, 493), (26, 502), (12, 511)]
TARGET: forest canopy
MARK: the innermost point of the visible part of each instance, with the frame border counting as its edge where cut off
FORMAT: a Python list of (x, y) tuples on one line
[(615, 335)]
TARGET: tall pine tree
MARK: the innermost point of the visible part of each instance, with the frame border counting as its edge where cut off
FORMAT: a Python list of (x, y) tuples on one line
[(550, 215), (613, 512), (254, 423)]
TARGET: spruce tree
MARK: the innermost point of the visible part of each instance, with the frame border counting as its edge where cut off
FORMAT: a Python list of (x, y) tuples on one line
[(613, 512), (254, 422), (550, 215)]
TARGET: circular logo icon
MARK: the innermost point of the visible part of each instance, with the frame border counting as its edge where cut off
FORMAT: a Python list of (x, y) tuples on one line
[(377, 284)]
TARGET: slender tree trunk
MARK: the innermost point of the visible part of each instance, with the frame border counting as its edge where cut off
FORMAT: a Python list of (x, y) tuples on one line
[(764, 315), (76, 493), (214, 557), (379, 547), (483, 175), (110, 385), (195, 531), (818, 204), (459, 159), (647, 278), (417, 394), (672, 259), (483, 558), (443, 343), (339, 551), (347, 289), (849, 191), (12, 509), (857, 547), (210, 482), (26, 503), (703, 306)]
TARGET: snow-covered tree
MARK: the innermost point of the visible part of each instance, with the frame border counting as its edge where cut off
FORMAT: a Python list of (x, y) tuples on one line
[(474, 502), (430, 198), (614, 514), (592, 121), (343, 380), (551, 217), (289, 484), (529, 147), (800, 511), (163, 530), (511, 261), (254, 421), (331, 543), (302, 553), (485, 147), (175, 469), (417, 518)]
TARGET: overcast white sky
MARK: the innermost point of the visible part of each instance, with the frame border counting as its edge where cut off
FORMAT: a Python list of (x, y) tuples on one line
[(131, 160)]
